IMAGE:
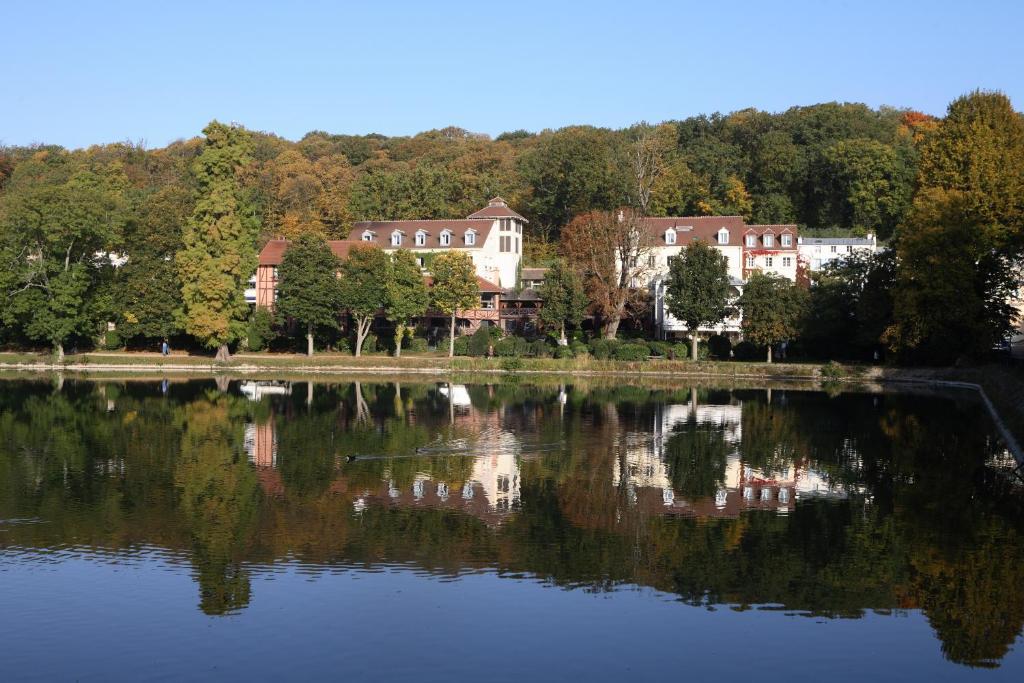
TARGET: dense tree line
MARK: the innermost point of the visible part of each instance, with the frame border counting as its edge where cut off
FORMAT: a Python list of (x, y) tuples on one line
[(191, 216)]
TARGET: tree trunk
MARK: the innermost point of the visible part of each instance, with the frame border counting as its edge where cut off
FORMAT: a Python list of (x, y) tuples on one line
[(451, 339), (769, 353), (58, 349), (693, 346), (562, 341), (361, 332), (399, 334), (223, 354), (611, 328), (309, 341)]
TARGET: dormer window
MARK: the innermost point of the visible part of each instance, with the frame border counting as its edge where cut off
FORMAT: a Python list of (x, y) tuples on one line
[(446, 238), (670, 236), (421, 238), (396, 239), (769, 240), (723, 236), (751, 240), (786, 240), (367, 236), (470, 238)]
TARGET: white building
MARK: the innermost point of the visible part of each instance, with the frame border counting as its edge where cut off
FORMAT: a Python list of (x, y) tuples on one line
[(748, 249), (819, 252), (492, 236)]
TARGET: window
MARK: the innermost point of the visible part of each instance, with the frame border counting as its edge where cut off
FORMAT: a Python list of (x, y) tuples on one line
[(421, 238), (769, 240), (487, 301), (670, 236), (723, 236), (446, 238), (505, 224), (367, 236), (517, 245), (470, 238), (750, 262), (422, 261), (519, 228), (847, 250), (396, 239), (833, 250), (786, 262), (768, 261), (652, 261), (505, 244), (751, 240), (670, 260), (787, 240)]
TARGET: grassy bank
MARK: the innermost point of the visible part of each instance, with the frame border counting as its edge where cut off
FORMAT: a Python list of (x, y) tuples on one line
[(417, 363)]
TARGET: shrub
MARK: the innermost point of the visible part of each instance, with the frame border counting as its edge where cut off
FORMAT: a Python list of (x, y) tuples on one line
[(511, 364), (540, 349), (832, 370), (260, 331), (418, 345), (679, 351), (632, 352), (603, 349), (719, 346), (562, 352), (462, 346), (111, 340), (747, 351), (371, 344), (511, 346), (578, 348), (659, 348), (480, 341)]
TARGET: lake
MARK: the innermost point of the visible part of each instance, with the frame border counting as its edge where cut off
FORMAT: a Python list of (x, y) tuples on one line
[(511, 531)]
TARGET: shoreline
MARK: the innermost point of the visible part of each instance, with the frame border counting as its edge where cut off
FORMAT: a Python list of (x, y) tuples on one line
[(1000, 389)]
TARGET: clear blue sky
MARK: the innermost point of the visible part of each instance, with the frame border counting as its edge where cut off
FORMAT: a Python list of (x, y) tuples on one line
[(78, 73)]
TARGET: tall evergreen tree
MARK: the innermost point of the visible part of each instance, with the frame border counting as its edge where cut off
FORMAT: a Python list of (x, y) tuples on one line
[(698, 289), (406, 294), (565, 301), (219, 243), (309, 291), (455, 288)]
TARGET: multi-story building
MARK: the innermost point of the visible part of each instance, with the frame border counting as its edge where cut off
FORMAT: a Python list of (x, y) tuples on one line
[(492, 236), (819, 252), (748, 249)]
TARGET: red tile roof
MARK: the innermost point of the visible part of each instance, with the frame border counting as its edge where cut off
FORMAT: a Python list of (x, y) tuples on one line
[(497, 208), (689, 228), (433, 228), (273, 252)]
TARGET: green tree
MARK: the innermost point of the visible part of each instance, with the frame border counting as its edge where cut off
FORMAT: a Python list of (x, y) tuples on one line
[(361, 290), (698, 289), (455, 288), (953, 286), (772, 310), (149, 303), (58, 223), (218, 255), (406, 294), (978, 151), (565, 301), (309, 291)]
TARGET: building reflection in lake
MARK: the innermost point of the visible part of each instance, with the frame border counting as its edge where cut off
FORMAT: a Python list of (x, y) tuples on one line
[(643, 467)]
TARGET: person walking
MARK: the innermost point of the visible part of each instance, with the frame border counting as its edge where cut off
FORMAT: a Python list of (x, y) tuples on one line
[(165, 349)]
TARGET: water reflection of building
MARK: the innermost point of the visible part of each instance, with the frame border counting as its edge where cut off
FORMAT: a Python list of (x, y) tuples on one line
[(255, 390), (642, 467)]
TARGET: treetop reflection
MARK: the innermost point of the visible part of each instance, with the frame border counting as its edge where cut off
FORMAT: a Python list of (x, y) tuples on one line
[(829, 506)]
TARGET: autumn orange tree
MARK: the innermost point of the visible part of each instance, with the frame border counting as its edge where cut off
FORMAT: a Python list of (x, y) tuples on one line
[(609, 250)]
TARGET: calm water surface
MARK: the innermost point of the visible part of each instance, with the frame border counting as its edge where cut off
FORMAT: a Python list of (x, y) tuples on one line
[(268, 530)]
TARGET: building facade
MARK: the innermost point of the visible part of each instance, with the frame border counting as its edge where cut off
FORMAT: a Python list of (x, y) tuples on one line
[(820, 252), (748, 249)]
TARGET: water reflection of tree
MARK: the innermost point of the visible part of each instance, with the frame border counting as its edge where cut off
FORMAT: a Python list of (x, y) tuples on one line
[(219, 499), (695, 453)]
